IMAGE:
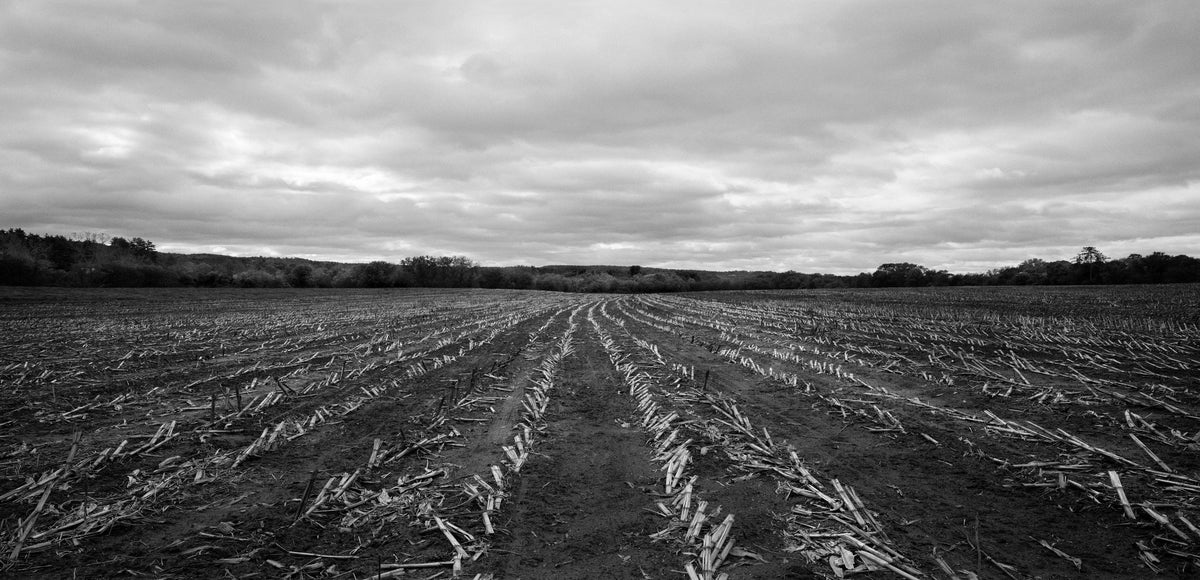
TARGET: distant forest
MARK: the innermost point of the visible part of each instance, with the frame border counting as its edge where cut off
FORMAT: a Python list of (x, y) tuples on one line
[(97, 260)]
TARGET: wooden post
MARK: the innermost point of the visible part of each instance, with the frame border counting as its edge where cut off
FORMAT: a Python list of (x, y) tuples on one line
[(705, 387), (237, 391)]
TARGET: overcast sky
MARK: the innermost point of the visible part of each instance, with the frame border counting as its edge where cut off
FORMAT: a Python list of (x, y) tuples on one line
[(805, 135)]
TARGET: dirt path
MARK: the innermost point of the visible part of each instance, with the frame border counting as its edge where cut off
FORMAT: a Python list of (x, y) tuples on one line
[(580, 510)]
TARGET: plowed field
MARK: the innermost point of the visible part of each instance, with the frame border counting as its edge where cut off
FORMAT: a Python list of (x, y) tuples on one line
[(932, 433)]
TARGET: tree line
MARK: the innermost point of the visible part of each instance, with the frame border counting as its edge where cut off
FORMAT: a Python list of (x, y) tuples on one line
[(98, 260), (1089, 266)]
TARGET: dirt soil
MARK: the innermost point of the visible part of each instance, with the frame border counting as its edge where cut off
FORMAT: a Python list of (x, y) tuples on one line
[(507, 434)]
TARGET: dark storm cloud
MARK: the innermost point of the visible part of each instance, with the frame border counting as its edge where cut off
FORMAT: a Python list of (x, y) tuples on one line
[(818, 136)]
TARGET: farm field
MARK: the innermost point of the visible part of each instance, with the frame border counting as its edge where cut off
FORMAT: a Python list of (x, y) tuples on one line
[(949, 433)]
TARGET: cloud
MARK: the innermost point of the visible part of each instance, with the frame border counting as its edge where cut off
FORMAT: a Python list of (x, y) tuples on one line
[(817, 136)]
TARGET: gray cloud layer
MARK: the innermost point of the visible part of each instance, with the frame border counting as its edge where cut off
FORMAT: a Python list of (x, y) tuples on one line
[(817, 136)]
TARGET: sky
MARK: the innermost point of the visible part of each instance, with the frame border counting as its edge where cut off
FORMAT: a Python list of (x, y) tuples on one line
[(815, 136)]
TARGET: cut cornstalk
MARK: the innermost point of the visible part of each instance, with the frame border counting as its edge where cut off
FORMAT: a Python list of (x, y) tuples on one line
[(320, 496), (498, 476), (697, 521), (883, 561), (450, 536), (31, 521), (1061, 554), (1116, 483), (686, 504), (849, 503), (347, 481), (1165, 522), (487, 519), (1150, 453), (374, 459)]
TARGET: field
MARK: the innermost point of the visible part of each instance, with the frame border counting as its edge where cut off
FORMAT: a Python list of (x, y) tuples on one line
[(909, 433)]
